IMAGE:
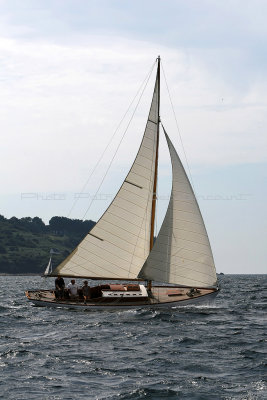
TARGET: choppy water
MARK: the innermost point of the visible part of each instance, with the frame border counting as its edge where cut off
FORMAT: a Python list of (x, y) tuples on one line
[(217, 352)]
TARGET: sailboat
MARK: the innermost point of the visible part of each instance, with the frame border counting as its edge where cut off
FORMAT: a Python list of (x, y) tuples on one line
[(49, 267), (119, 251)]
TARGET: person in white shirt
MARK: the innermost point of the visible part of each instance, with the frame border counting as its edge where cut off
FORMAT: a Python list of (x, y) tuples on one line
[(73, 288)]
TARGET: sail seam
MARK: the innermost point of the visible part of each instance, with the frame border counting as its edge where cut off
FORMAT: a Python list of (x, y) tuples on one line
[(126, 220), (150, 128), (188, 259), (142, 155), (142, 166), (136, 172), (123, 229), (185, 230), (187, 240), (138, 194), (122, 240), (147, 181), (185, 201), (135, 194), (128, 201), (70, 268), (191, 222), (185, 211), (199, 272), (192, 280), (95, 263), (110, 252), (182, 191), (183, 276), (149, 133), (145, 160), (148, 148), (147, 138), (114, 254), (184, 248), (130, 212)]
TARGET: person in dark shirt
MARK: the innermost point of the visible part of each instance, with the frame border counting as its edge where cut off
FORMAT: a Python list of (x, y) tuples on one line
[(86, 291), (60, 286)]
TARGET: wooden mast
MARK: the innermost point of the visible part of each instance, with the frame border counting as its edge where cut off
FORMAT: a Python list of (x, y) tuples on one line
[(154, 198)]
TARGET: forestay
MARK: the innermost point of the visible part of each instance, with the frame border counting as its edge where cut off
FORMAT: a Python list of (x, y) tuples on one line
[(182, 252), (118, 245)]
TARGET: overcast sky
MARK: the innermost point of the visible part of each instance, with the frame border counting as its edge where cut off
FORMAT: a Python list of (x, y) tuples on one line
[(69, 70)]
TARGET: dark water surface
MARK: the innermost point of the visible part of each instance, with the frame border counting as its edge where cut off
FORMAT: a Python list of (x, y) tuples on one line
[(217, 352)]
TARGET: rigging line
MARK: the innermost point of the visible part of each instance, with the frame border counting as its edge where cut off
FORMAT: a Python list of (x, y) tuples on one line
[(114, 155), (178, 129), (112, 137)]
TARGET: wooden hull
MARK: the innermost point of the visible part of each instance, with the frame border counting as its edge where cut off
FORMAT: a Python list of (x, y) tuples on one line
[(161, 296)]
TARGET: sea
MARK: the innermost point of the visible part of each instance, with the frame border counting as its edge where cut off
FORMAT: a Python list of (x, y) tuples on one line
[(197, 352)]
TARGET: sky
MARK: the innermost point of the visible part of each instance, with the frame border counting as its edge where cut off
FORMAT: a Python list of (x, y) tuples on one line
[(69, 71)]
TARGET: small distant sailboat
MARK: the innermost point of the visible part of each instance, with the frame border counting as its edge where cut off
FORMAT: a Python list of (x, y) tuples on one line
[(49, 268), (121, 248)]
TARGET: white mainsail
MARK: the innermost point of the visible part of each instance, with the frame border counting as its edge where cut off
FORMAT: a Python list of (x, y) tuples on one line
[(182, 253), (118, 245)]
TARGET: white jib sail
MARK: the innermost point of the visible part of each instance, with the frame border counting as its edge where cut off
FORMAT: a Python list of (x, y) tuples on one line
[(182, 252), (118, 245)]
